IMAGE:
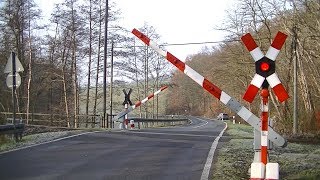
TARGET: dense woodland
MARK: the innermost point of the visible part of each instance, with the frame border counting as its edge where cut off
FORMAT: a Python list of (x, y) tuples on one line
[(230, 66), (64, 61)]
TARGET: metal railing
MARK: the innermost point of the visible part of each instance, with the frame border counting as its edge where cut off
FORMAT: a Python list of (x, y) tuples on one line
[(87, 121), (59, 120)]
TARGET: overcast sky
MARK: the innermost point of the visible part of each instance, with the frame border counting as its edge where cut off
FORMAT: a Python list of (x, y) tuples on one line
[(176, 21)]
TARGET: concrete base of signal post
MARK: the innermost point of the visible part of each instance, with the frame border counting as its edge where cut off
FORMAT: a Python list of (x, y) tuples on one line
[(270, 171), (258, 170)]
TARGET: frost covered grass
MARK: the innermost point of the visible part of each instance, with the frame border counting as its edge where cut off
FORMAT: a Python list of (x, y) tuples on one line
[(296, 161)]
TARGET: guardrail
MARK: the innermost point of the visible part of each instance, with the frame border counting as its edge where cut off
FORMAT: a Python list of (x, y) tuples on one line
[(90, 121), (147, 123), (57, 120), (15, 129)]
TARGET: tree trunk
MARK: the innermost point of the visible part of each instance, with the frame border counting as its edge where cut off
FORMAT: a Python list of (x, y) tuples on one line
[(89, 63), (64, 80), (98, 62), (74, 81)]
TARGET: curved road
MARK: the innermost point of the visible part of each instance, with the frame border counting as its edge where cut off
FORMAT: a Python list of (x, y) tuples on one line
[(183, 152)]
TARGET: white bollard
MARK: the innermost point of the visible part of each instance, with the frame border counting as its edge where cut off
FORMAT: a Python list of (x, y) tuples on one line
[(257, 171), (272, 171)]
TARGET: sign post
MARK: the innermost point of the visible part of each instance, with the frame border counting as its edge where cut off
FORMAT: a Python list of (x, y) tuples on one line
[(13, 81)]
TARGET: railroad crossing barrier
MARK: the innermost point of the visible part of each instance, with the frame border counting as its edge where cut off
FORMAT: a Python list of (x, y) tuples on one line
[(230, 102), (141, 123), (268, 76), (120, 116), (163, 122)]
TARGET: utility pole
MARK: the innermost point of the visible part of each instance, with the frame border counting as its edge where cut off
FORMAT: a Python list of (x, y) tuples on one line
[(105, 67), (295, 73)]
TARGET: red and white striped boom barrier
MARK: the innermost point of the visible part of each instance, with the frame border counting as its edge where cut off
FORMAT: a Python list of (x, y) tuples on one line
[(230, 102), (137, 104)]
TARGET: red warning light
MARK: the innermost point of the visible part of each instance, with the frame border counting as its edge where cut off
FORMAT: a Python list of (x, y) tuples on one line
[(264, 66)]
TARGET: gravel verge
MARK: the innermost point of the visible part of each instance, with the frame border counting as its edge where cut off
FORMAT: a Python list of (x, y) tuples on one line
[(299, 160)]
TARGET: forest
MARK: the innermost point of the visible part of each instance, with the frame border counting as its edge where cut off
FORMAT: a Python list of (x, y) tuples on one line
[(231, 67), (64, 63)]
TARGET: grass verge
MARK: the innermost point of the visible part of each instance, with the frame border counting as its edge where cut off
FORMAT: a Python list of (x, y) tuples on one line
[(235, 155)]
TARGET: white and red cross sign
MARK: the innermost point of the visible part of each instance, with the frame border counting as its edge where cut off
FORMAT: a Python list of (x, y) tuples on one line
[(265, 67)]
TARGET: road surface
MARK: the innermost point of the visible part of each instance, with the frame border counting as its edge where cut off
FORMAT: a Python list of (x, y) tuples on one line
[(148, 154)]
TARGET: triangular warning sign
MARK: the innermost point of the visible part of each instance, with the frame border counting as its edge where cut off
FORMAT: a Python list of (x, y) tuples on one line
[(8, 68)]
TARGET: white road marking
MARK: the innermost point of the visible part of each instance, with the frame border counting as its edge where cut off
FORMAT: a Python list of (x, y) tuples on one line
[(172, 134), (207, 166), (47, 142)]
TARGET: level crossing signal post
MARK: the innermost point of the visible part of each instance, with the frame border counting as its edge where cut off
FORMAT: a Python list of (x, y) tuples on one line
[(122, 116), (226, 99), (265, 76), (126, 103), (230, 102)]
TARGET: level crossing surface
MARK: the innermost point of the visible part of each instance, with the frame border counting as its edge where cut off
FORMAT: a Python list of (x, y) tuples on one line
[(180, 152)]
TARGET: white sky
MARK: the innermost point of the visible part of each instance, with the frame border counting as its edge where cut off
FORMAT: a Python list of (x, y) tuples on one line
[(176, 21)]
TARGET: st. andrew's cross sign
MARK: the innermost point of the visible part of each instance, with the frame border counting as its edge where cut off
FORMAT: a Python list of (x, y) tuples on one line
[(265, 67)]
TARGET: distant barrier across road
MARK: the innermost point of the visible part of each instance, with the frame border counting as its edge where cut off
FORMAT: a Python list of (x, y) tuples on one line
[(168, 121)]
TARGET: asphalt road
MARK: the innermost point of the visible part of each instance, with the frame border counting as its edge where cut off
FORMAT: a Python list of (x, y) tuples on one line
[(149, 154)]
